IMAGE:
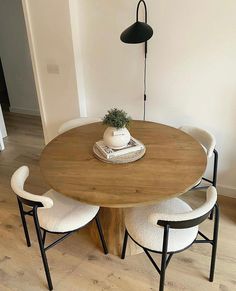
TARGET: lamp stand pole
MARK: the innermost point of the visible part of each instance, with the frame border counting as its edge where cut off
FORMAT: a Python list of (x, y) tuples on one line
[(145, 58), (145, 83)]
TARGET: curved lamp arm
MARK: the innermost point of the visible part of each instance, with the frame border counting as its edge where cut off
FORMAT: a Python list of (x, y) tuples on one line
[(137, 11)]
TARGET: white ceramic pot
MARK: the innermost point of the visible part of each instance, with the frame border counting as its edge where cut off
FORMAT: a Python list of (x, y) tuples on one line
[(116, 138)]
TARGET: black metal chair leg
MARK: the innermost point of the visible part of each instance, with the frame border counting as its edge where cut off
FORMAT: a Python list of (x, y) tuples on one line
[(41, 246), (164, 258), (212, 214), (104, 245), (215, 168), (124, 245), (24, 223), (214, 246), (44, 237)]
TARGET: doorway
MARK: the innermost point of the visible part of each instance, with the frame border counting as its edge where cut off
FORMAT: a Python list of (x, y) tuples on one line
[(18, 97)]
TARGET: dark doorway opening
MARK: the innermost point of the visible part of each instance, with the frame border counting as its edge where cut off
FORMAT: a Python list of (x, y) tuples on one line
[(4, 98)]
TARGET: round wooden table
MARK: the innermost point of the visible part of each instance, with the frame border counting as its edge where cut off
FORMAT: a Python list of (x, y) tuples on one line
[(173, 163)]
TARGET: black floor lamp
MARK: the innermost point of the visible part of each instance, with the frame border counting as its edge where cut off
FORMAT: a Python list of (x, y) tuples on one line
[(139, 32)]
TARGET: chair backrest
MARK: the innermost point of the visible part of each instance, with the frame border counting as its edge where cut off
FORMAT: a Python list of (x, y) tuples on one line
[(17, 183), (188, 219), (206, 139), (77, 122)]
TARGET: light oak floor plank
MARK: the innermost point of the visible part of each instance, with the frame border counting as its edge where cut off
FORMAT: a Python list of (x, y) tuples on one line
[(76, 263)]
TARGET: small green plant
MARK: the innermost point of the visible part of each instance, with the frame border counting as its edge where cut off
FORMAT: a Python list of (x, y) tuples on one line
[(116, 118)]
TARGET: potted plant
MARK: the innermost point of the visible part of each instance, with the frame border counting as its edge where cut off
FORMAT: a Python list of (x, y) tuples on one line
[(116, 136)]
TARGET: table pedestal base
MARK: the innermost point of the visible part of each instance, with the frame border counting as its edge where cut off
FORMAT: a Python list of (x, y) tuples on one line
[(112, 221)]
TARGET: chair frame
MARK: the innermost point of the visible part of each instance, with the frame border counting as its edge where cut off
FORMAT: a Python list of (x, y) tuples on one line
[(166, 256), (42, 237), (213, 181)]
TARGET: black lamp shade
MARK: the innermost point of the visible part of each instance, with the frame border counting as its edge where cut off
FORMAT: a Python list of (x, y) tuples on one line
[(137, 33)]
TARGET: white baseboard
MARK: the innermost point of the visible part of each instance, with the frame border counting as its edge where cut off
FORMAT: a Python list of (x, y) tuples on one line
[(24, 111), (226, 191)]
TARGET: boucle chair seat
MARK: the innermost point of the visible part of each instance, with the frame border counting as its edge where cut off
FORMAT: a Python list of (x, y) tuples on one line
[(66, 214), (77, 122), (150, 236), (205, 138), (208, 142)]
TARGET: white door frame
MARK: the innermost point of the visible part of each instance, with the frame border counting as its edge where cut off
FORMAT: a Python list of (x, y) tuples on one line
[(3, 132), (35, 67)]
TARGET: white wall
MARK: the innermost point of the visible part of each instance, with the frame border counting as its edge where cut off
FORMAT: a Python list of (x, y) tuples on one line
[(16, 61), (50, 37), (191, 66)]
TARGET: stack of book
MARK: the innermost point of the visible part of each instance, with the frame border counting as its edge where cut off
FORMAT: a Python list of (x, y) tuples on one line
[(133, 146)]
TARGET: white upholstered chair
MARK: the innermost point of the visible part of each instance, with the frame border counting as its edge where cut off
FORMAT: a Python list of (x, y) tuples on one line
[(77, 122), (208, 142), (52, 213), (171, 227)]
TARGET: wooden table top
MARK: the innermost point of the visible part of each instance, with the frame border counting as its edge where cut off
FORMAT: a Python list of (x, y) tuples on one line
[(173, 163)]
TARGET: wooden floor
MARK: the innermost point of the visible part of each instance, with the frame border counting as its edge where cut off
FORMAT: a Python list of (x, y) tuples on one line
[(77, 264)]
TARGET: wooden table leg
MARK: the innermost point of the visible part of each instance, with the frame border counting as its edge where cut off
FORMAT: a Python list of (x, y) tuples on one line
[(112, 221)]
